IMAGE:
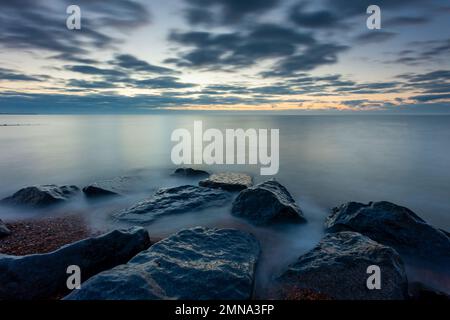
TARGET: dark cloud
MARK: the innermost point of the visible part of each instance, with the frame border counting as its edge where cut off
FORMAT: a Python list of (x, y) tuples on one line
[(130, 62), (435, 82), (114, 78), (420, 52), (11, 102), (37, 25), (313, 19), (312, 57), (374, 36), (236, 49), (431, 97), (161, 83), (70, 57), (118, 75), (225, 11), (225, 89), (296, 51), (84, 84), (277, 89), (432, 87), (401, 21), (370, 88), (437, 75), (91, 70), (12, 75)]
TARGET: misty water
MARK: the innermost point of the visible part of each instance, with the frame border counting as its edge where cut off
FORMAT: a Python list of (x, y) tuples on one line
[(324, 162)]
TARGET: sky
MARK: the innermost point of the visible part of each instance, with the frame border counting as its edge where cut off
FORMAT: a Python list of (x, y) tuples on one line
[(225, 55)]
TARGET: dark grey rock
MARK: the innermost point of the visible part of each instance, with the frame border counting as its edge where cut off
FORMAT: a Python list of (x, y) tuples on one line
[(394, 226), (228, 181), (419, 291), (43, 276), (194, 264), (41, 196), (189, 172), (337, 268), (4, 231), (176, 200), (93, 191), (266, 203), (113, 187)]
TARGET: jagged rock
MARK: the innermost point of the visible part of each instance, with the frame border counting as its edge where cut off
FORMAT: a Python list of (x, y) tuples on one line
[(4, 231), (43, 276), (189, 172), (228, 181), (394, 226), (41, 196), (176, 200), (194, 264), (337, 268), (266, 203)]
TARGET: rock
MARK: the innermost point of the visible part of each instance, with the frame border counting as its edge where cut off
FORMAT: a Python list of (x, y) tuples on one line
[(337, 268), (176, 200), (419, 291), (394, 226), (41, 196), (112, 187), (93, 191), (4, 231), (189, 172), (266, 203), (228, 181), (194, 264), (43, 276)]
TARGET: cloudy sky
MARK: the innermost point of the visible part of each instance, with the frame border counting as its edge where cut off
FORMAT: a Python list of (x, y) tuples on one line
[(273, 55)]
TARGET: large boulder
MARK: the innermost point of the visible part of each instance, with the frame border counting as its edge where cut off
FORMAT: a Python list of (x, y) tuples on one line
[(190, 173), (43, 276), (228, 181), (266, 203), (395, 226), (41, 196), (337, 268), (194, 264), (176, 200), (4, 231)]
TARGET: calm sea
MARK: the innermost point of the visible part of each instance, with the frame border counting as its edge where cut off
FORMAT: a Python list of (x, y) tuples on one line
[(324, 161)]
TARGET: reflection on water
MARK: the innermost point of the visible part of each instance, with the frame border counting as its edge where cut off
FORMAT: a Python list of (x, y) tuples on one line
[(324, 161)]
